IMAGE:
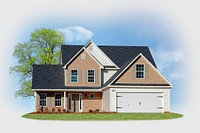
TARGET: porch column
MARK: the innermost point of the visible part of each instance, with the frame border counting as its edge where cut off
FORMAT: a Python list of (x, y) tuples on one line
[(64, 99), (35, 96)]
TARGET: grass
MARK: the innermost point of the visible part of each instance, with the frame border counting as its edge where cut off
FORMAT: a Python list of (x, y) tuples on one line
[(116, 116)]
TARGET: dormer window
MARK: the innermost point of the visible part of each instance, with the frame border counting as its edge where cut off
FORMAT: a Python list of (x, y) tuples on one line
[(139, 70), (74, 76)]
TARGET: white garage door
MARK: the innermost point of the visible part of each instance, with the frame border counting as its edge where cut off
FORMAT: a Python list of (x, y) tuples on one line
[(140, 102)]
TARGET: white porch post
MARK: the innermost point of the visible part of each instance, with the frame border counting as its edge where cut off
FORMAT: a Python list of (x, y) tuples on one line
[(64, 99), (35, 94)]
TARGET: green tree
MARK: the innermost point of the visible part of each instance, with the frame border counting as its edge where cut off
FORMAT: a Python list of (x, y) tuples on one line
[(43, 47)]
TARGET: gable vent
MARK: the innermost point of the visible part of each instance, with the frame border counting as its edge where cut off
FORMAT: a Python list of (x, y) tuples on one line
[(90, 48)]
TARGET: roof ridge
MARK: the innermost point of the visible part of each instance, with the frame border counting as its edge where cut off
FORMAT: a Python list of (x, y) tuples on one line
[(106, 45)]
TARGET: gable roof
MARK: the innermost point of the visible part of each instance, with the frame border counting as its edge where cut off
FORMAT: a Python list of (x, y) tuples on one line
[(126, 66), (52, 76), (68, 51), (120, 55)]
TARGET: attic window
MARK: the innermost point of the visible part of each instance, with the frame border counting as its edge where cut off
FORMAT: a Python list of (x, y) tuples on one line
[(139, 70), (83, 56)]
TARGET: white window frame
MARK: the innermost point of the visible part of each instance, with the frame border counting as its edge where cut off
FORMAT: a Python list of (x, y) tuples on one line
[(88, 75), (45, 99), (139, 71), (60, 99), (71, 76)]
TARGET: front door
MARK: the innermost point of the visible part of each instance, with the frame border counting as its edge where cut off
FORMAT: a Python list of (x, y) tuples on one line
[(74, 106)]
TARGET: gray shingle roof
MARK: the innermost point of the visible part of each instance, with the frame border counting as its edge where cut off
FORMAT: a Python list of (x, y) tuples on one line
[(123, 54), (52, 76), (68, 51), (48, 77)]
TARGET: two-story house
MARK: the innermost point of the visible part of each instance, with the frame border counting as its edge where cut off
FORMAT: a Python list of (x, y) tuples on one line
[(102, 78)]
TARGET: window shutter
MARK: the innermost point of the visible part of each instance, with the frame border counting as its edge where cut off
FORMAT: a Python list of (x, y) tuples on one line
[(146, 71), (68, 76), (85, 76), (79, 76), (96, 75), (134, 72)]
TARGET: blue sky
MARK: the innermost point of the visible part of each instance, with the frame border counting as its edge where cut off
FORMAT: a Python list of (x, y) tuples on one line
[(145, 28)]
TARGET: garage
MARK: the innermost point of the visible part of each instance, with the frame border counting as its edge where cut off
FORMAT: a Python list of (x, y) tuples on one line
[(140, 102)]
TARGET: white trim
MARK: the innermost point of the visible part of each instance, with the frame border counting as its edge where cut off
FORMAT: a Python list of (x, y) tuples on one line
[(68, 90), (71, 74), (64, 100), (141, 55), (83, 48), (104, 54), (36, 95), (135, 87), (60, 99), (94, 76), (101, 66)]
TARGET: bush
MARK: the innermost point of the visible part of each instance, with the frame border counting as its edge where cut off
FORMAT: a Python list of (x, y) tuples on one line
[(41, 109), (90, 110), (97, 110), (53, 110), (58, 110), (64, 110)]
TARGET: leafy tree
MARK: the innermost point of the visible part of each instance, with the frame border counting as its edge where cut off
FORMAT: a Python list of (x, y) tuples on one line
[(43, 47)]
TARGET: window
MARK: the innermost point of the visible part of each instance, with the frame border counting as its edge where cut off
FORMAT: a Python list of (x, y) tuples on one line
[(58, 99), (90, 75), (74, 75), (92, 96), (139, 71), (43, 99)]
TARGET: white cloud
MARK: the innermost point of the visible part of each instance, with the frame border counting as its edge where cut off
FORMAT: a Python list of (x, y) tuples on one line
[(76, 33), (169, 63), (166, 58)]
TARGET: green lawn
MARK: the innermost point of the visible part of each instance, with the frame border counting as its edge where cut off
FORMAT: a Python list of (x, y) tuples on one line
[(117, 116)]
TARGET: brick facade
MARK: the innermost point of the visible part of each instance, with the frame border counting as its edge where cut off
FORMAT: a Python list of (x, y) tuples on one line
[(87, 102)]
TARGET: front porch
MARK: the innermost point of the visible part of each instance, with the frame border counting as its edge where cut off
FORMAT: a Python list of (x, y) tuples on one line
[(57, 101)]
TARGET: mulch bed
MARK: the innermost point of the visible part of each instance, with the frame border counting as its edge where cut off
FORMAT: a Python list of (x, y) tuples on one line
[(73, 113)]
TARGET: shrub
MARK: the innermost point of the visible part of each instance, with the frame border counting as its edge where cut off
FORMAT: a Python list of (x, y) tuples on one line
[(58, 110), (97, 110), (41, 109), (64, 110), (90, 110), (53, 110)]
